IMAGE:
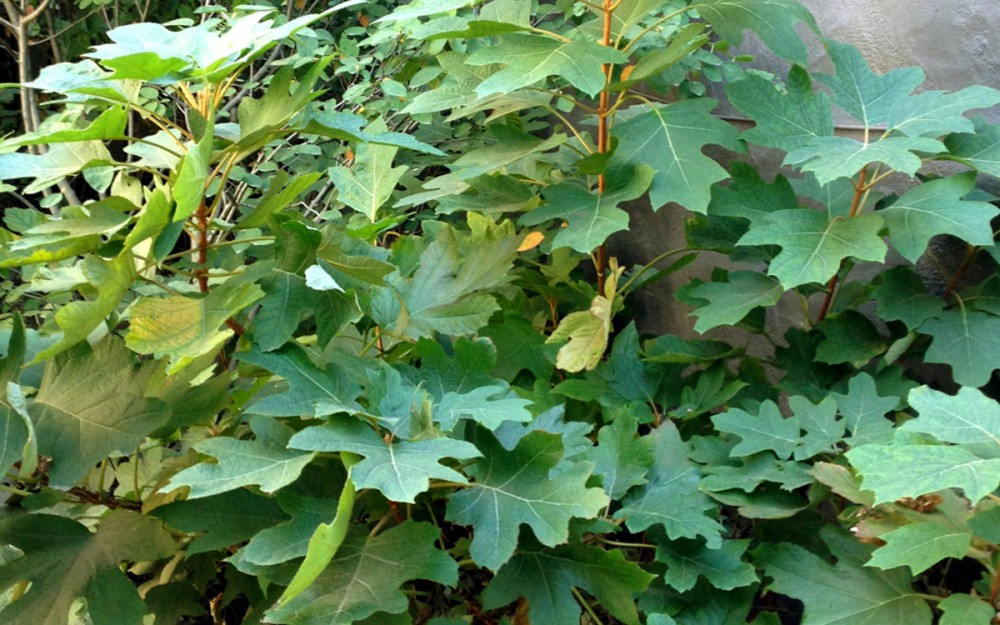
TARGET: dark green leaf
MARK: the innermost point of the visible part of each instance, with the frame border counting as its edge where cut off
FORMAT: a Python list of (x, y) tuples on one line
[(546, 577), (366, 575), (687, 560), (967, 340)]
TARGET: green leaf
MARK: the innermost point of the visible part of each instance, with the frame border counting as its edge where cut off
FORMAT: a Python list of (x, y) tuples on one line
[(864, 411), (264, 461), (830, 158), (61, 557), (108, 126), (448, 291), (185, 328), (285, 541), (287, 296), (621, 458), (867, 97), (934, 113), (753, 471), (348, 127), (520, 347), (894, 472), (920, 546), (936, 207), (842, 594), (112, 281), (366, 575), (903, 296), (532, 58), (91, 404), (487, 405), (785, 118), (399, 469), (773, 21), (511, 146), (765, 431), (514, 487), (671, 496), (813, 245), (17, 436), (112, 599), (670, 139), (546, 577), (189, 185), (226, 519), (960, 609), (979, 150), (729, 302), (969, 341), (687, 560), (823, 430), (590, 217), (59, 161), (368, 184), (326, 540), (849, 337), (968, 417)]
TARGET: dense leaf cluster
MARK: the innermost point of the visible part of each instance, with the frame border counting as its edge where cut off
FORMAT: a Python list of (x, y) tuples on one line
[(333, 335)]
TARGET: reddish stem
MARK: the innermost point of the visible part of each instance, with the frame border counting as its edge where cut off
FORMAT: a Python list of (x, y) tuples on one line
[(831, 287)]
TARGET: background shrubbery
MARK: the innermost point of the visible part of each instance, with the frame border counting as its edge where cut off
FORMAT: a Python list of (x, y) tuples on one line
[(309, 317)]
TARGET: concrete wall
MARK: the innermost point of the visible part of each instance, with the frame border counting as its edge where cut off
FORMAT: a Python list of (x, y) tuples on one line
[(957, 43)]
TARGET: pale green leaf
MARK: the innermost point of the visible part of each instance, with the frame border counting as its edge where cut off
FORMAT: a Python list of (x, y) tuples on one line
[(91, 404), (967, 340), (112, 281), (865, 96), (108, 126), (532, 58), (366, 575), (398, 468), (894, 472), (830, 158), (184, 328), (511, 146), (59, 161), (546, 578), (514, 487), (962, 609), (813, 245), (487, 405), (729, 302), (189, 183), (774, 21), (785, 118), (936, 207), (670, 139), (864, 411), (767, 430), (842, 594), (263, 461), (968, 417), (753, 471), (934, 113), (920, 546)]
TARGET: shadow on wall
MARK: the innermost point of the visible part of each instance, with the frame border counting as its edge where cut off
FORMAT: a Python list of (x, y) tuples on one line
[(949, 42)]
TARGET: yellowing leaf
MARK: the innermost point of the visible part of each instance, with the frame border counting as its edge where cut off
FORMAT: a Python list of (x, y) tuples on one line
[(184, 328), (533, 240)]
